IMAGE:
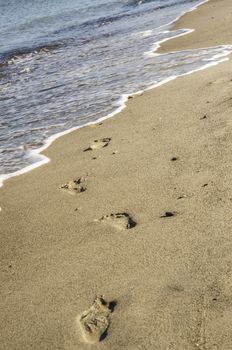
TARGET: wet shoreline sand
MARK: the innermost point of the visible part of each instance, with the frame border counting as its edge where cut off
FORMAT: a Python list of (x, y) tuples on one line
[(136, 209)]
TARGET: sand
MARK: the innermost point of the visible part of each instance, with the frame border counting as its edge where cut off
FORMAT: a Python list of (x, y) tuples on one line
[(212, 27), (150, 234)]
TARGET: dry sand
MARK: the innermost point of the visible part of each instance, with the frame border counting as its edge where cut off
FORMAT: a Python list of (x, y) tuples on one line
[(169, 278)]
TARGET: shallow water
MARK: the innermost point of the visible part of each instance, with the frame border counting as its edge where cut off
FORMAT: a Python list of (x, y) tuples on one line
[(64, 66)]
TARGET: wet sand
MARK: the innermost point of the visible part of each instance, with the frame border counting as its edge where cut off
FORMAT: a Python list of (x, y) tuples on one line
[(135, 211)]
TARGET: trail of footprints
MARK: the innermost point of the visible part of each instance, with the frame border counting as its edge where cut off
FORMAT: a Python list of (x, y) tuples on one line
[(95, 321)]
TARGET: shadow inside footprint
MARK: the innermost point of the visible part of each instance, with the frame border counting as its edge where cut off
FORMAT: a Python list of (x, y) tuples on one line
[(95, 321), (74, 186), (98, 144), (120, 221)]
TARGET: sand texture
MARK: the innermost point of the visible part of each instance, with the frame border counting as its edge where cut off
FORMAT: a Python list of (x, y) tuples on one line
[(128, 246)]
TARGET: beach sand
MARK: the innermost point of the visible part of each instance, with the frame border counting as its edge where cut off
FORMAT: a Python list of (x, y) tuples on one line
[(140, 219), (212, 27)]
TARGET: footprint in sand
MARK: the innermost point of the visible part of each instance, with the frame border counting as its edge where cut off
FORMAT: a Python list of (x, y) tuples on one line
[(121, 221), (98, 144), (95, 321), (74, 186)]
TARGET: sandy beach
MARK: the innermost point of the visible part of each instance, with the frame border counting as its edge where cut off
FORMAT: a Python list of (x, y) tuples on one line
[(211, 23), (135, 211)]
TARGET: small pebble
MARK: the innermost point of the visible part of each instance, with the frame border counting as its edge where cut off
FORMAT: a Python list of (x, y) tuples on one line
[(204, 117), (182, 196), (168, 214)]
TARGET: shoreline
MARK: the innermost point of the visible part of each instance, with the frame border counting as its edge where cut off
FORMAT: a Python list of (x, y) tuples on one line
[(209, 13), (124, 99), (135, 209)]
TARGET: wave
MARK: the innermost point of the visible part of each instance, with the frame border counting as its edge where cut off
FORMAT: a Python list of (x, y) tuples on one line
[(82, 33), (75, 86), (104, 20), (24, 52), (40, 159), (136, 3)]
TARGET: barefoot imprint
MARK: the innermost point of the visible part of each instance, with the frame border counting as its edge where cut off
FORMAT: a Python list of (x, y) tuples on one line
[(99, 144), (95, 321), (120, 221), (74, 186)]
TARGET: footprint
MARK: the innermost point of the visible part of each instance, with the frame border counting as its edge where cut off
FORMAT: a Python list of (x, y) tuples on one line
[(120, 221), (74, 186), (98, 144), (95, 321)]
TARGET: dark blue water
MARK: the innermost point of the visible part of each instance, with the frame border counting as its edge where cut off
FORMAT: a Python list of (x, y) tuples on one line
[(66, 63)]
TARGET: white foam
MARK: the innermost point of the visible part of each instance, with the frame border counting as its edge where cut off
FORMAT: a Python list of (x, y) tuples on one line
[(156, 46), (147, 33), (41, 159)]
